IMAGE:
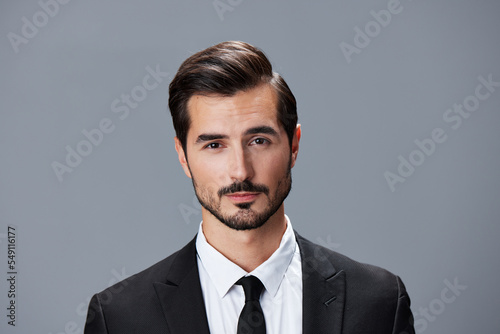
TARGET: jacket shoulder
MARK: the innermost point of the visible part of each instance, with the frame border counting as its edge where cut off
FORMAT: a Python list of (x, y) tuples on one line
[(138, 289), (133, 303), (362, 279), (374, 297), (157, 272)]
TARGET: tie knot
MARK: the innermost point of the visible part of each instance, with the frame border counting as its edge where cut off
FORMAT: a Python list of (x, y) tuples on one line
[(252, 287)]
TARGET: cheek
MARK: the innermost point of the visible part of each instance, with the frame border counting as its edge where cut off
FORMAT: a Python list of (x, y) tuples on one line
[(276, 166), (208, 175)]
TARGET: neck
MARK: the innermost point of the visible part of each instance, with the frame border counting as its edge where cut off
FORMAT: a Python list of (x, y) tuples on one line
[(248, 248)]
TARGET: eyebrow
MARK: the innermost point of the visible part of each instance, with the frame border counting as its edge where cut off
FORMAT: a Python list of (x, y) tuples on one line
[(252, 131), (209, 136), (261, 129)]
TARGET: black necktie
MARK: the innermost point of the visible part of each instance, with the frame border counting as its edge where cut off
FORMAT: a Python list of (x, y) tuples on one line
[(251, 317)]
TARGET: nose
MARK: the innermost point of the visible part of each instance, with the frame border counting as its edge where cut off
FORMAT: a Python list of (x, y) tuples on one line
[(240, 165)]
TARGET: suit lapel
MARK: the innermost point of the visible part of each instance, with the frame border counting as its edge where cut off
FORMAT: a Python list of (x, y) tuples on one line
[(181, 297), (323, 291)]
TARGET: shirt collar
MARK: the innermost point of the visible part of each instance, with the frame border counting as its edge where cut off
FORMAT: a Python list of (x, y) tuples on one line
[(223, 273)]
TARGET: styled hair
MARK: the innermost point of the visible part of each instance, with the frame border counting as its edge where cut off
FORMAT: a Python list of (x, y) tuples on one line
[(225, 69)]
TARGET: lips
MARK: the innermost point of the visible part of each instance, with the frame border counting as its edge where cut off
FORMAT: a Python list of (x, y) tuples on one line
[(242, 197)]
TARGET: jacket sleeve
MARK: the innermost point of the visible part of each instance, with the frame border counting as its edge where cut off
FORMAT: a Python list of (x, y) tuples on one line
[(95, 323), (403, 319)]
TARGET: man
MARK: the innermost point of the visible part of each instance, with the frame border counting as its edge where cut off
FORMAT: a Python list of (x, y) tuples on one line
[(246, 271)]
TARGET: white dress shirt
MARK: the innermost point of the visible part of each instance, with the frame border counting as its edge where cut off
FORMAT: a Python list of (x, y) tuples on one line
[(281, 298)]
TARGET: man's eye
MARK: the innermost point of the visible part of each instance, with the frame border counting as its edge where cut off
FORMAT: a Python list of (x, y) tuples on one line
[(260, 141), (213, 145)]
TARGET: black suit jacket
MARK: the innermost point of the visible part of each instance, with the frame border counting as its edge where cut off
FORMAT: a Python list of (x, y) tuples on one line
[(339, 296)]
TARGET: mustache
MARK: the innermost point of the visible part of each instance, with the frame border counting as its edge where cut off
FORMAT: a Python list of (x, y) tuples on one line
[(243, 186)]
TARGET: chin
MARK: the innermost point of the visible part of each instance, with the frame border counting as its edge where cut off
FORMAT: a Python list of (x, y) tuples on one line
[(246, 219)]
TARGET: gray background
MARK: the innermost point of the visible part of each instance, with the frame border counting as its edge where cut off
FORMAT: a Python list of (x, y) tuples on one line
[(121, 209)]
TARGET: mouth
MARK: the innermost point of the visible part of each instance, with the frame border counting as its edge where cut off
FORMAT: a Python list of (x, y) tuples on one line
[(242, 197)]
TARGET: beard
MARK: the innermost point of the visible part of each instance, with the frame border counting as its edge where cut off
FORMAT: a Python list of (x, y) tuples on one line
[(245, 218)]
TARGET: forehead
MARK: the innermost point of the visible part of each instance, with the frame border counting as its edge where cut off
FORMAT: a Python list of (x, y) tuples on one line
[(256, 106)]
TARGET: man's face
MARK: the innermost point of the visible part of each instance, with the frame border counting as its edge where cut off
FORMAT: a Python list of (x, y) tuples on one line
[(238, 156)]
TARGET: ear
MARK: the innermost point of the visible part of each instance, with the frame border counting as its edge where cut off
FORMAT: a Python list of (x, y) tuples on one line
[(182, 157), (295, 143)]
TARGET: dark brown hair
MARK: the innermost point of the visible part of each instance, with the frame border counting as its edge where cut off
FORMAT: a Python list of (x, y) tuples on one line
[(225, 69)]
